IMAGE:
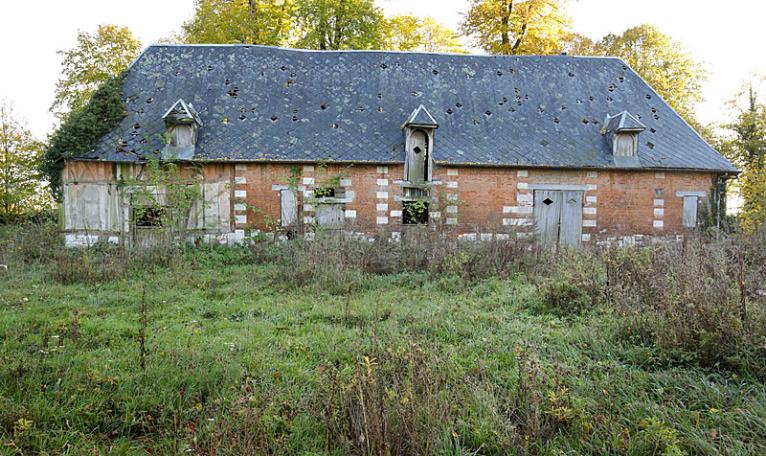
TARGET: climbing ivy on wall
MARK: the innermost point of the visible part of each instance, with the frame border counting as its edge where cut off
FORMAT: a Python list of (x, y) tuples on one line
[(81, 129)]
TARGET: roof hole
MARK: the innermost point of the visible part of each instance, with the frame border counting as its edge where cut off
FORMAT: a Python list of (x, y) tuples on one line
[(150, 100), (656, 117), (591, 98), (499, 73), (563, 107), (383, 66), (458, 105), (242, 117), (435, 72), (210, 68), (289, 83), (450, 111), (323, 107), (571, 75), (611, 87), (648, 96), (653, 130), (415, 93), (585, 121), (380, 109), (541, 109), (544, 143), (295, 118), (274, 118), (556, 120), (650, 145), (621, 78), (654, 110), (360, 108), (609, 99), (227, 82), (283, 68), (380, 96), (233, 92), (335, 126), (488, 113)]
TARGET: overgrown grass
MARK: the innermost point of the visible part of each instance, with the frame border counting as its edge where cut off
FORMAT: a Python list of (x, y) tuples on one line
[(427, 346)]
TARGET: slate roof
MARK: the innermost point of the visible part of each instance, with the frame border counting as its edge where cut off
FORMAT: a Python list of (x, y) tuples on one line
[(261, 103)]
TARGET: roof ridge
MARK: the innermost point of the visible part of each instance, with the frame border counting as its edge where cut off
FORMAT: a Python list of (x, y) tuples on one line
[(383, 51)]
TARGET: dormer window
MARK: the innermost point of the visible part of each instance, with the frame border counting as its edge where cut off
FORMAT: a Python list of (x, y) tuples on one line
[(419, 139), (181, 126), (621, 132)]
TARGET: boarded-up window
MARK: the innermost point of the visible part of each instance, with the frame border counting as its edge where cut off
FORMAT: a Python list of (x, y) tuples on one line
[(329, 215), (289, 213), (690, 212)]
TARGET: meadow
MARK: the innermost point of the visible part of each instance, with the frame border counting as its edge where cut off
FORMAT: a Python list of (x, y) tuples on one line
[(342, 346)]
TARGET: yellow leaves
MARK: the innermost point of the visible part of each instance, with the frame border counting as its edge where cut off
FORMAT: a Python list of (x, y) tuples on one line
[(21, 426)]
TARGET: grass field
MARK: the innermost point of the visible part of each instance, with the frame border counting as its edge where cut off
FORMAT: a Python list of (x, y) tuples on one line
[(237, 361)]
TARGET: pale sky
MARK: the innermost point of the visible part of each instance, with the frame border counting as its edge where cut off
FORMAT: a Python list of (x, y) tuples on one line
[(725, 37)]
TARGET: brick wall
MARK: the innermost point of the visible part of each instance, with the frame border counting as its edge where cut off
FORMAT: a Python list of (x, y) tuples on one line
[(470, 200), (476, 200)]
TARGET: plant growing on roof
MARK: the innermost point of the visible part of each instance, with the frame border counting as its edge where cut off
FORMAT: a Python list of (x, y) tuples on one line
[(81, 130)]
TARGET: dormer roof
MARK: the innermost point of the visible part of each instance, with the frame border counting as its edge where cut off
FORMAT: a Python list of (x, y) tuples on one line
[(420, 117), (623, 122), (181, 113)]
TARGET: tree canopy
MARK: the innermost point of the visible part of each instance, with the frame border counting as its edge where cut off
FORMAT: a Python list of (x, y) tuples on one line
[(339, 24), (97, 58), (410, 33), (746, 147), (21, 189), (267, 22), (518, 27)]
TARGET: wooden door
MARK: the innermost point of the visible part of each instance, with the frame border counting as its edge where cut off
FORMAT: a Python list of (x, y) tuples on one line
[(547, 215), (570, 225), (417, 156)]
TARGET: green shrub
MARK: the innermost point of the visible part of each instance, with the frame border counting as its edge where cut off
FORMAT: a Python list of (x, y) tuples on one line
[(573, 285)]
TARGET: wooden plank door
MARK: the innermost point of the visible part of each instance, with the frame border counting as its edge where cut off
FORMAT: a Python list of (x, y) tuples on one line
[(570, 225), (547, 215)]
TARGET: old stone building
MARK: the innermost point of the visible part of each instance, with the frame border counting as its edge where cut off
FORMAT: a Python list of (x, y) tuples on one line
[(577, 149)]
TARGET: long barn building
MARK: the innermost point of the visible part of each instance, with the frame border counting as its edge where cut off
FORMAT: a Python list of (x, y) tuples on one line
[(575, 149)]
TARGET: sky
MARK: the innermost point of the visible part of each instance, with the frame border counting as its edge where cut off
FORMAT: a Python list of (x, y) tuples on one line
[(725, 37)]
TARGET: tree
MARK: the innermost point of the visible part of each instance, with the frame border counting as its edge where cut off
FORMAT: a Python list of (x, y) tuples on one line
[(96, 59), (267, 22), (661, 61), (409, 33), (518, 27), (747, 148), (339, 24), (21, 191)]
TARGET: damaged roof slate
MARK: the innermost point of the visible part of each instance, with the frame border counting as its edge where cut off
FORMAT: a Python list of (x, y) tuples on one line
[(262, 103)]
